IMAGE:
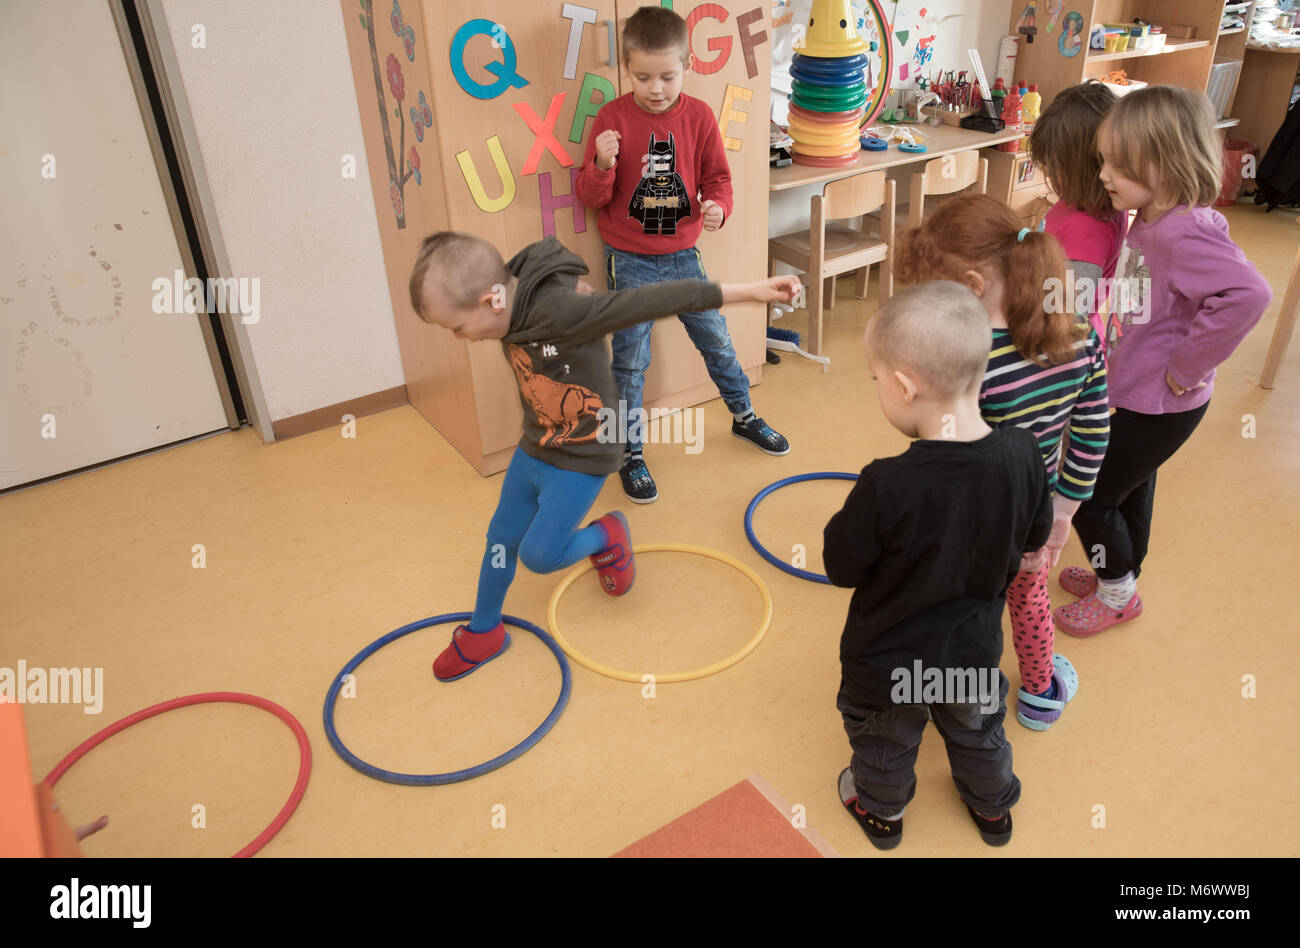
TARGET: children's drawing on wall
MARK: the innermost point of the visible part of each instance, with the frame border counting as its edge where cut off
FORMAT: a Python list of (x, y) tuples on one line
[(1071, 40), (919, 28), (1027, 25), (1054, 7), (421, 114)]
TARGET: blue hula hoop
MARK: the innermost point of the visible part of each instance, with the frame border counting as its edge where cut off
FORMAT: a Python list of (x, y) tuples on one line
[(785, 482), (433, 780)]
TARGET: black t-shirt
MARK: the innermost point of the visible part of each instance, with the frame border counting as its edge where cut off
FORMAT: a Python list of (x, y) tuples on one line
[(930, 539)]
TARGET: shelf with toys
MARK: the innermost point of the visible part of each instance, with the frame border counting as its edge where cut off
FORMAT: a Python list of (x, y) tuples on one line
[(1171, 42)]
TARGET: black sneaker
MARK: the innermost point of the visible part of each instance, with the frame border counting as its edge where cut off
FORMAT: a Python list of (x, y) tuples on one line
[(884, 834), (637, 482), (760, 434), (994, 832)]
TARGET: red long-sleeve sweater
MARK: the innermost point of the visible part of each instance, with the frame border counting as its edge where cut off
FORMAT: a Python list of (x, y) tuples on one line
[(667, 165)]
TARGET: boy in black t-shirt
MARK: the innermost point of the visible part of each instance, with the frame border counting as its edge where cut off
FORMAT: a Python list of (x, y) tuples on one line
[(929, 540)]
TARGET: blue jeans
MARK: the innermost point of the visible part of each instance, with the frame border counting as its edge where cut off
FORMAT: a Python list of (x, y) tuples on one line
[(708, 330), (536, 521)]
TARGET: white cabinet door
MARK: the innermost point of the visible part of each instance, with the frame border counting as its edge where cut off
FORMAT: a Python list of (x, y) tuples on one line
[(84, 235)]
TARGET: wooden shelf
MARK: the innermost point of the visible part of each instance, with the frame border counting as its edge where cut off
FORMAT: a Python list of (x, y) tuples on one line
[(1095, 57), (1238, 29)]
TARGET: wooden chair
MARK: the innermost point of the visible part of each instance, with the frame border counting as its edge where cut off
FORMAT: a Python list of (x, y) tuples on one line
[(942, 176), (827, 249), (962, 171), (1286, 318)]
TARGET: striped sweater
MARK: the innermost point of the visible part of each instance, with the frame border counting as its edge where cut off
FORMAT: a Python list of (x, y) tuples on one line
[(1064, 406)]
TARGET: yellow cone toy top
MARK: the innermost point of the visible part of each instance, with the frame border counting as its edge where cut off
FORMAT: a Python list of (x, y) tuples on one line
[(832, 30)]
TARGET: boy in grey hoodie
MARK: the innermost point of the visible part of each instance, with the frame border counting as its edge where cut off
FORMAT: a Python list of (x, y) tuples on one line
[(552, 330)]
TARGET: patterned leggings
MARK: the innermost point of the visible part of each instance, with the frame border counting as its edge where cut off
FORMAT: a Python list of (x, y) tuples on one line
[(1032, 628)]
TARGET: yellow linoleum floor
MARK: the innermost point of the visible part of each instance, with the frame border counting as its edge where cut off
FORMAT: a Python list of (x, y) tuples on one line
[(319, 545)]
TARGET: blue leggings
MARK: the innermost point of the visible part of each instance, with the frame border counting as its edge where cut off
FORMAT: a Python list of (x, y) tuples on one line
[(536, 521)]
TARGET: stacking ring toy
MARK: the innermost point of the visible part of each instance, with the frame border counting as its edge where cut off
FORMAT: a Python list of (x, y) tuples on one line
[(872, 143), (753, 505), (847, 137), (823, 78), (829, 65), (827, 118), (431, 780), (230, 697), (914, 149), (638, 677), (848, 149), (831, 96)]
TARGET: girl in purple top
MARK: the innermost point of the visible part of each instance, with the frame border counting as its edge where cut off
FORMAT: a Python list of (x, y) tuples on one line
[(1185, 298)]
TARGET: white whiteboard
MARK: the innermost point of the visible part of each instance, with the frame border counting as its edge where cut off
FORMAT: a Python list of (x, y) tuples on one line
[(79, 253)]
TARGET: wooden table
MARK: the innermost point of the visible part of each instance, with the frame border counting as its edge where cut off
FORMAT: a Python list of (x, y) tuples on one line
[(939, 140)]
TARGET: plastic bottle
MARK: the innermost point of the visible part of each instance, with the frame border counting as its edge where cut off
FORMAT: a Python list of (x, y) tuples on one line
[(1030, 108), (1011, 110)]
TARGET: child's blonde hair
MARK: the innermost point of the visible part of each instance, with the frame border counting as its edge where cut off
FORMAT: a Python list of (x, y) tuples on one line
[(464, 268), (976, 232), (937, 331), (1164, 137), (1064, 143)]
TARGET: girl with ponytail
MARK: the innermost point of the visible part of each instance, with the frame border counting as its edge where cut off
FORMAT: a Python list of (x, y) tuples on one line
[(1046, 373)]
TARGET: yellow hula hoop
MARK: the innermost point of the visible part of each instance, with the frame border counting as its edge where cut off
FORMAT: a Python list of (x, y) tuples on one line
[(713, 669)]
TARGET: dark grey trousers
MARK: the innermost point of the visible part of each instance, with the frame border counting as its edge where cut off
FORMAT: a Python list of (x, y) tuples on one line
[(885, 742)]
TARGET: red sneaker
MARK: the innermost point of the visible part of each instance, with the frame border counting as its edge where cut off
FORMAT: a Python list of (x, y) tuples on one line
[(468, 650), (1090, 615), (615, 564)]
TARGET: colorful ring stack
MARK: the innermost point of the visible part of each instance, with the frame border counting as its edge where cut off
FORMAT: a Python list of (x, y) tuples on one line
[(829, 99)]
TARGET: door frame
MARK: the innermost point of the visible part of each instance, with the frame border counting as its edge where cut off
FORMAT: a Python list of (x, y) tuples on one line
[(194, 218)]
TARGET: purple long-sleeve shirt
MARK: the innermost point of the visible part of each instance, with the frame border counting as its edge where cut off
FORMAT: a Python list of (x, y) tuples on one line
[(1204, 297)]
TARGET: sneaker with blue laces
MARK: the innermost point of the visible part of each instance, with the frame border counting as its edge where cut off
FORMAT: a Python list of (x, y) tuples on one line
[(760, 434), (637, 482)]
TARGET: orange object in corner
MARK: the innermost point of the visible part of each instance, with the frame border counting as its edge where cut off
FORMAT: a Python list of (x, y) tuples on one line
[(31, 823)]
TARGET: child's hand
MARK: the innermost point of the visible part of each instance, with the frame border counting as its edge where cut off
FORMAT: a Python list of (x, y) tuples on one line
[(1033, 562), (1059, 536), (1178, 389), (712, 215), (777, 289), (583, 287), (607, 148), (782, 288)]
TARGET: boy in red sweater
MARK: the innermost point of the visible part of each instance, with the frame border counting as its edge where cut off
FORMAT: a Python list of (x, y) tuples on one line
[(656, 171)]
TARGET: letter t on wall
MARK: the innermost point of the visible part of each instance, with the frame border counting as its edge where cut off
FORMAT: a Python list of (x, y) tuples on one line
[(580, 16)]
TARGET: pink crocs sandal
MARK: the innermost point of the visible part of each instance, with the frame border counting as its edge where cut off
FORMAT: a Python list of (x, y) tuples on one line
[(1078, 581), (1090, 615)]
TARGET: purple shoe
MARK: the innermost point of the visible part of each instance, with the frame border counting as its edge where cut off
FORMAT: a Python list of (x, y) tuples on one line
[(1038, 714)]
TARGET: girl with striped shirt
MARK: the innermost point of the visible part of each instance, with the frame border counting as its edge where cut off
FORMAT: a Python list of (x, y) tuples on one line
[(1046, 373)]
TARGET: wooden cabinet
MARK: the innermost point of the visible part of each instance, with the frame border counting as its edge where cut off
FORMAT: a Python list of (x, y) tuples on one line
[(1016, 181), (476, 118)]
